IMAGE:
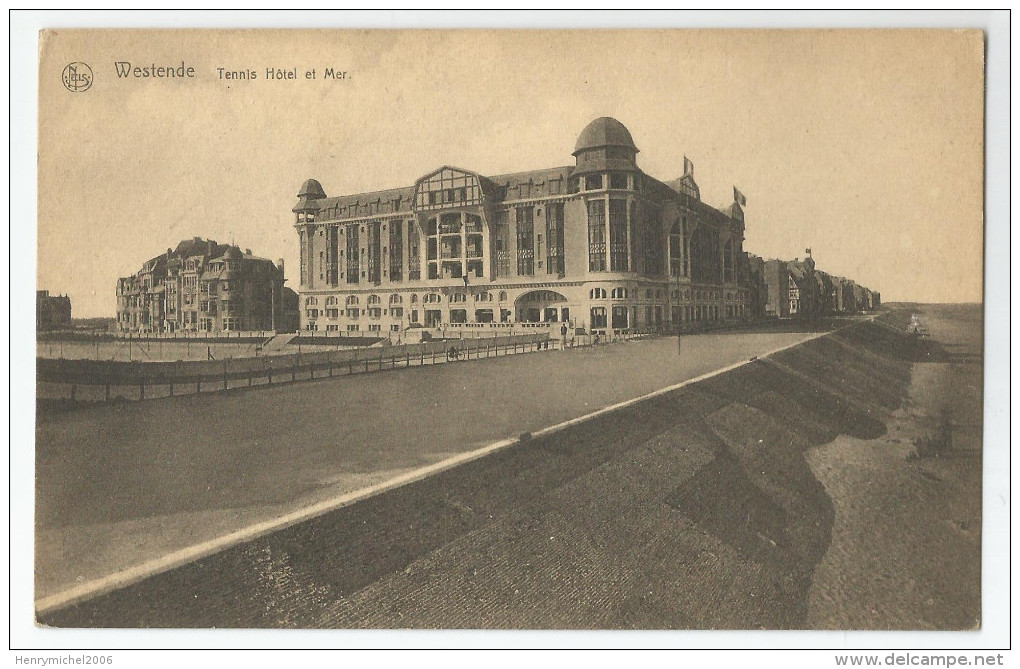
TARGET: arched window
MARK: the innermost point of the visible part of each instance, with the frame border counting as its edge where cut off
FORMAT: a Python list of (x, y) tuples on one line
[(414, 299), (331, 301), (433, 298), (619, 293), (374, 299), (597, 293), (458, 297), (352, 300), (396, 299), (311, 301), (502, 296)]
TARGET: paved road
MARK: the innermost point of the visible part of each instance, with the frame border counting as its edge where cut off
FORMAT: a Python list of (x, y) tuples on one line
[(118, 485)]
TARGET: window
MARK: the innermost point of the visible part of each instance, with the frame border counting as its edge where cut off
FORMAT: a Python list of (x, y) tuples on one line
[(596, 236), (598, 317), (619, 293), (502, 296), (332, 253), (396, 269), (458, 315), (593, 182), (374, 252), (311, 301), (483, 297), (618, 180), (620, 318), (618, 255), (397, 312), (554, 238), (396, 299), (374, 299), (413, 257), (375, 327), (414, 299), (598, 293), (525, 241), (352, 300), (501, 243), (483, 315), (331, 301), (353, 257), (353, 328), (432, 298), (458, 297), (312, 313)]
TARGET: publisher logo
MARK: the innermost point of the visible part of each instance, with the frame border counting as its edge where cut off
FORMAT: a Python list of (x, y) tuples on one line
[(77, 77)]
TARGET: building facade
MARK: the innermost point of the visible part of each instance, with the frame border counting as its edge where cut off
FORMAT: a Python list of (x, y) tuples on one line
[(598, 245), (202, 286), (52, 312), (778, 289)]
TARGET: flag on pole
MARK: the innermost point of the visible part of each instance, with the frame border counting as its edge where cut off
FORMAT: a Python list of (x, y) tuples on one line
[(808, 250), (739, 198), (688, 167)]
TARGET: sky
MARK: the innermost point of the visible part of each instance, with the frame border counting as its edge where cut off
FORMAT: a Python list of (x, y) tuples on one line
[(866, 146)]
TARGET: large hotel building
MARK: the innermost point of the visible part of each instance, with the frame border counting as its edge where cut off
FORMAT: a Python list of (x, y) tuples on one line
[(599, 245)]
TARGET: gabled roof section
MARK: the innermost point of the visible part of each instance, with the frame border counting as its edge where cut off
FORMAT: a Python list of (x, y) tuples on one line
[(533, 183), (392, 201)]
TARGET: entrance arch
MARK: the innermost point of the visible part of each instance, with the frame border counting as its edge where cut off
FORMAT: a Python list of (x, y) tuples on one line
[(541, 306)]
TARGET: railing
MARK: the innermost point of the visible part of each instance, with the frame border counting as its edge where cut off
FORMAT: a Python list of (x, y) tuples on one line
[(99, 381)]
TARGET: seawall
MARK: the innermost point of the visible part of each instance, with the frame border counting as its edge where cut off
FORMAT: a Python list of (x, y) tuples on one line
[(693, 509)]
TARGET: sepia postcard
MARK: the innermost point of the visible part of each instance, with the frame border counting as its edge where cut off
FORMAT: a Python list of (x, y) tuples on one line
[(629, 329)]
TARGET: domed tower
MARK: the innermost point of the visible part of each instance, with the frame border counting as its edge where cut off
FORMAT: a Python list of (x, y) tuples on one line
[(604, 145), (306, 210), (311, 191)]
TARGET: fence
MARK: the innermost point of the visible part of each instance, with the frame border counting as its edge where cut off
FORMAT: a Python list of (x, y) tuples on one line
[(103, 380), (98, 380)]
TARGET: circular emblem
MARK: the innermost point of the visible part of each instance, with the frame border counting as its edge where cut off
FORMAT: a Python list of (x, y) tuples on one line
[(77, 77)]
